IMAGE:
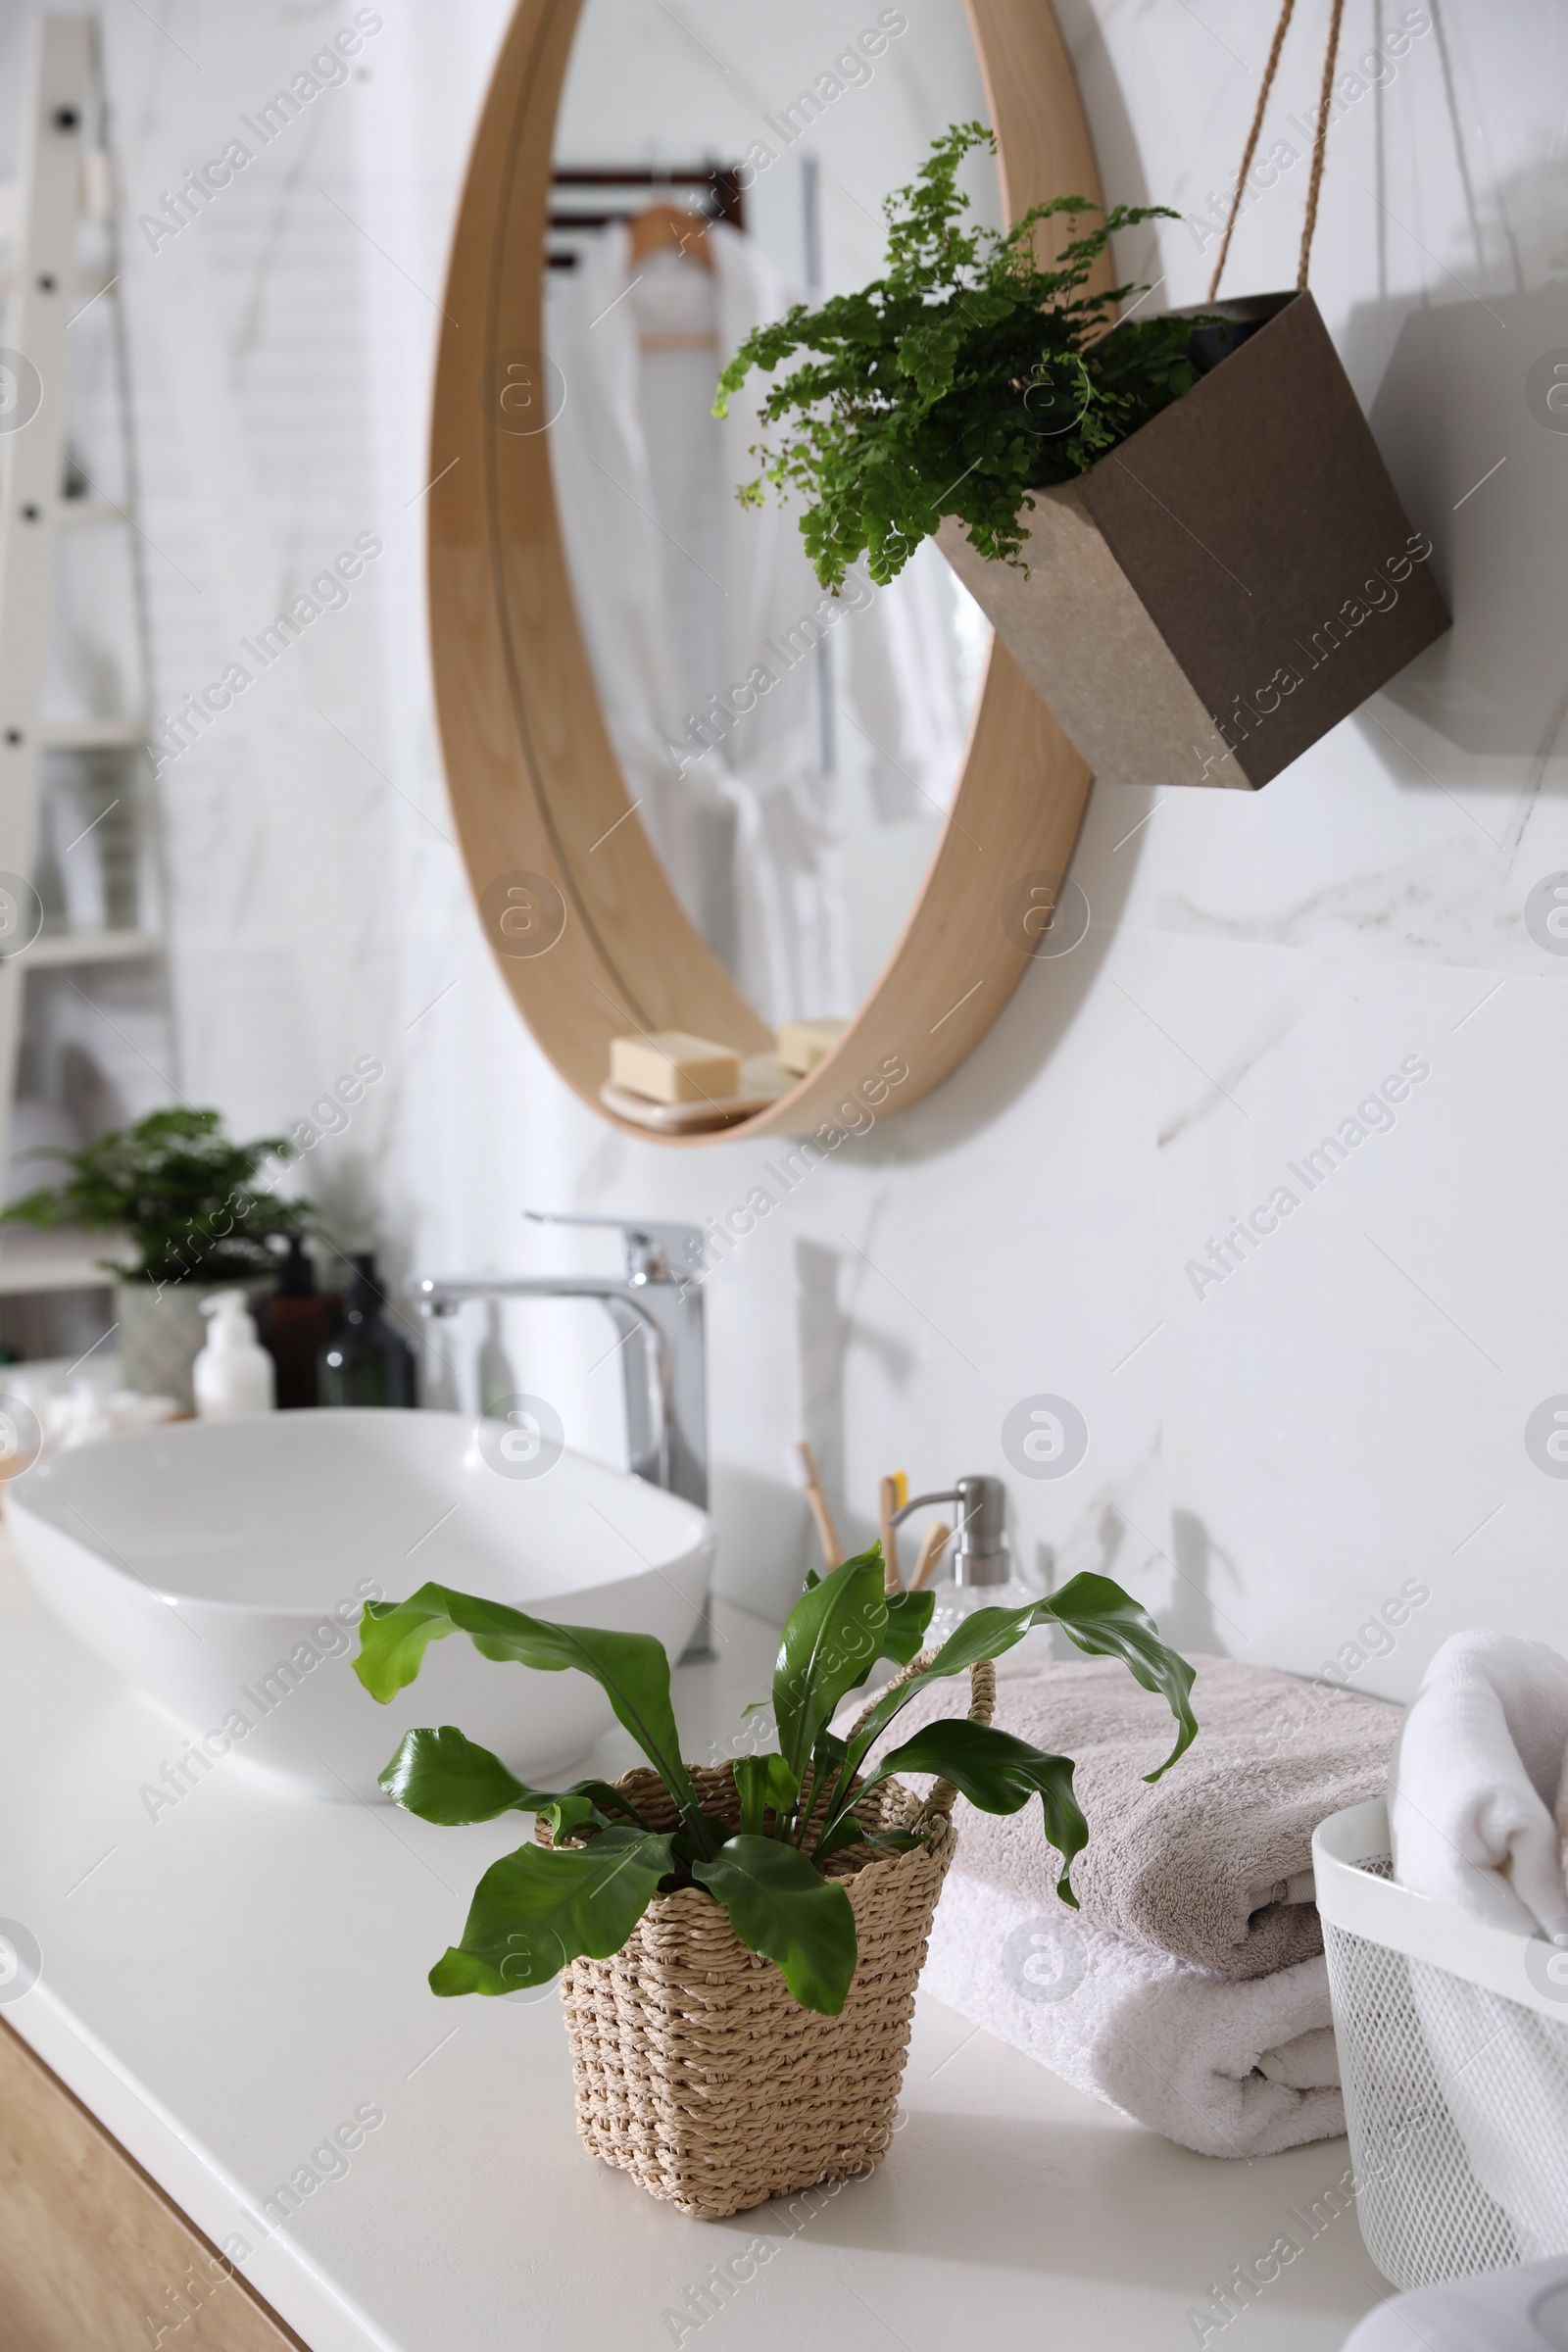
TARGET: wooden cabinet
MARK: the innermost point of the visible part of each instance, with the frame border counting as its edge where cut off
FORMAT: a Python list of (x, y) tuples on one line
[(93, 2256)]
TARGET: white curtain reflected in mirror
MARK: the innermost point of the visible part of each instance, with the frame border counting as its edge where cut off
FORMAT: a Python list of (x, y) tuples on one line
[(792, 756)]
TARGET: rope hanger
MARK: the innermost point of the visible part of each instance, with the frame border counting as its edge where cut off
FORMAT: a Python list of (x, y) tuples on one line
[(1318, 145)]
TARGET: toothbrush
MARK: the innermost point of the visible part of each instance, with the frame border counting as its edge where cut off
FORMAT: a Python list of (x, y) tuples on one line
[(801, 1463), (892, 1496), (938, 1535)]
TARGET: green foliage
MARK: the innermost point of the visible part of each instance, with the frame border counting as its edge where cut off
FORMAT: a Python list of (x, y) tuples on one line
[(765, 1784), (631, 1669), (909, 1615), (999, 1773), (540, 1908), (781, 1906), (181, 1189), (960, 380), (543, 1905), (834, 1635), (1095, 1613), (446, 1778)]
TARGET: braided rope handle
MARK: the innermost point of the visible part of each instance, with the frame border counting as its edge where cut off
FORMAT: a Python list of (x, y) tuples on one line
[(1318, 145), (982, 1706)]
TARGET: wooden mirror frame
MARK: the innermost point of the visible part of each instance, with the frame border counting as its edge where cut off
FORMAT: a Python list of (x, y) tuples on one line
[(535, 786)]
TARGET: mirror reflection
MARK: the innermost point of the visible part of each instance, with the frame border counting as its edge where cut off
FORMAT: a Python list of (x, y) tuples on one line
[(791, 756)]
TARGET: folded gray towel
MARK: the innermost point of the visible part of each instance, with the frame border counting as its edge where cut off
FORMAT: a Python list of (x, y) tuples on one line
[(1213, 1862)]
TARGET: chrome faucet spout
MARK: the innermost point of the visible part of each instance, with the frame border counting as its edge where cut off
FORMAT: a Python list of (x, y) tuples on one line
[(656, 1308), (444, 1294), (648, 1369)]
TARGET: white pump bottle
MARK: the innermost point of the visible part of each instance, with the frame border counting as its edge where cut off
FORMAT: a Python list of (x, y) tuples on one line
[(233, 1374)]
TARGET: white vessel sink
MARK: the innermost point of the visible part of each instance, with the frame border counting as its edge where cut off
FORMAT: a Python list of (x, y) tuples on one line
[(223, 1566)]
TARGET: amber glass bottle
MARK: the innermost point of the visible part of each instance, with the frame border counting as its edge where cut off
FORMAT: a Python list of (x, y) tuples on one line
[(295, 1324)]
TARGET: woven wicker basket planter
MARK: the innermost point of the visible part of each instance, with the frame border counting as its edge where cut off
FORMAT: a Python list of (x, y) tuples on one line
[(696, 2068)]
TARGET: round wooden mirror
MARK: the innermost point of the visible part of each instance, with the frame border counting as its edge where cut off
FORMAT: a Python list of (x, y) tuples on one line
[(587, 928)]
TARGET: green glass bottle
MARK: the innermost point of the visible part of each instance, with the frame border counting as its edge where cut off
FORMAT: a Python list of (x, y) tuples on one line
[(367, 1361)]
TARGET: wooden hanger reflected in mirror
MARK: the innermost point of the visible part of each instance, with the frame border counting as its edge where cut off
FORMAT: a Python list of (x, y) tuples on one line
[(669, 228)]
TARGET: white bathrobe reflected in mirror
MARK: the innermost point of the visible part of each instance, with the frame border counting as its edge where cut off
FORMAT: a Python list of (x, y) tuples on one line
[(709, 637)]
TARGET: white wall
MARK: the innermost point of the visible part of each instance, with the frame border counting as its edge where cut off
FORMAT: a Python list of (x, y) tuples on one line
[(1266, 1464)]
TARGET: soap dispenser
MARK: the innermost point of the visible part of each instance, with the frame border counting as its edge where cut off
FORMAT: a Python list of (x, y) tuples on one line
[(295, 1323), (368, 1362), (233, 1374), (981, 1574)]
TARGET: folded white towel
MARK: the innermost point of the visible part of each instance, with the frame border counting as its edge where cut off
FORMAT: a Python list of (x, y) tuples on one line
[(1228, 2067), (1475, 1779)]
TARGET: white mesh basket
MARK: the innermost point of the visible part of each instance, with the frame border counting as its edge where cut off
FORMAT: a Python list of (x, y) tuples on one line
[(1454, 2052)]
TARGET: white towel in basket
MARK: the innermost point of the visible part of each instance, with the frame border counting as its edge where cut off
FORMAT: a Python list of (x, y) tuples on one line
[(1475, 1778), (1471, 1797), (1231, 2067)]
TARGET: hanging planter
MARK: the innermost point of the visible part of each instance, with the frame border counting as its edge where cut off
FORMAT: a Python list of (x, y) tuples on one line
[(739, 1945), (1227, 585), (1180, 527)]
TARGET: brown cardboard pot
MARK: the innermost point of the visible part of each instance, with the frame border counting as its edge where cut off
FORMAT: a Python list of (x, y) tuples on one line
[(1226, 586)]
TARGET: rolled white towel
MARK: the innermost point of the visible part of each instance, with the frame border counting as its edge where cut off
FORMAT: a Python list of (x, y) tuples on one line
[(1475, 1779), (1226, 2065), (85, 1414), (1471, 1793)]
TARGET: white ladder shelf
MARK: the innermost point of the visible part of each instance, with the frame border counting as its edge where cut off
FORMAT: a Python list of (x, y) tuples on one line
[(64, 179)]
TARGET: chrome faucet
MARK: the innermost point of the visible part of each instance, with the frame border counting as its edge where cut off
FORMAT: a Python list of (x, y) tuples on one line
[(656, 1308)]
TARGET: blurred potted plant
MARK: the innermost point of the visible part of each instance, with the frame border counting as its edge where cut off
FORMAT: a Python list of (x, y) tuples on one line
[(187, 1202), (1180, 525), (741, 1945)]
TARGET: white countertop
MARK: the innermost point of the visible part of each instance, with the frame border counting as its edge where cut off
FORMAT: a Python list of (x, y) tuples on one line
[(225, 1985)]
